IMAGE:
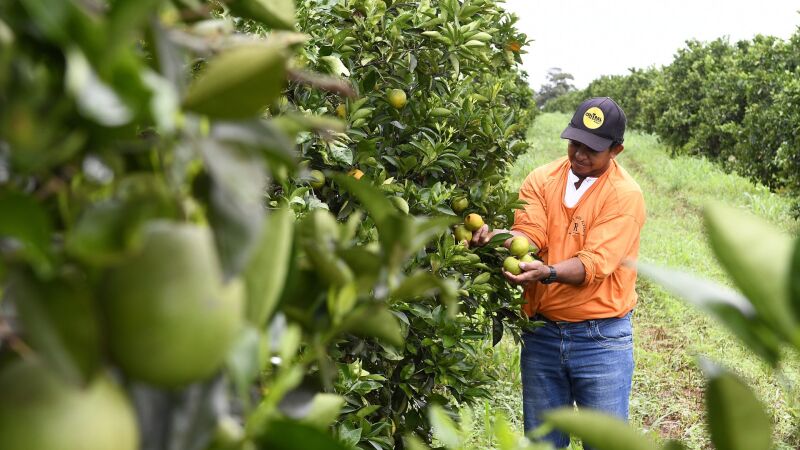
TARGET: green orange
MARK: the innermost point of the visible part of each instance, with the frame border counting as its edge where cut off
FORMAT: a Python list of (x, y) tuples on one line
[(40, 411), (459, 204), (462, 234), (397, 98), (170, 319), (317, 179), (511, 264), (519, 246)]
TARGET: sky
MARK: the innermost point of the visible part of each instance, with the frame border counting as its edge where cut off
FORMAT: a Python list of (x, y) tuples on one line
[(590, 38)]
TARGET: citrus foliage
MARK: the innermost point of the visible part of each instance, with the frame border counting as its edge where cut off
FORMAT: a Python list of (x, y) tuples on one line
[(734, 103), (440, 112), (139, 140)]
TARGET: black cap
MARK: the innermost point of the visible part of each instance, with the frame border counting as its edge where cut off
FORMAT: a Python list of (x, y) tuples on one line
[(597, 123)]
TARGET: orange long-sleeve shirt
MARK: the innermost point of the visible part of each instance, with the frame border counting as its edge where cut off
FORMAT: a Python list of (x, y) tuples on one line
[(602, 230)]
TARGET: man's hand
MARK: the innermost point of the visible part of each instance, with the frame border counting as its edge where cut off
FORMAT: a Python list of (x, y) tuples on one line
[(531, 273), (482, 236)]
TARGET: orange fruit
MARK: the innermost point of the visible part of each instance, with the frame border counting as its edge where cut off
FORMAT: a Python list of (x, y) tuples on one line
[(356, 173), (511, 264), (397, 98), (171, 321), (40, 411), (473, 222)]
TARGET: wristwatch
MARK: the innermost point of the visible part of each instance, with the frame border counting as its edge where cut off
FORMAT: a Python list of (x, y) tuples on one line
[(550, 278)]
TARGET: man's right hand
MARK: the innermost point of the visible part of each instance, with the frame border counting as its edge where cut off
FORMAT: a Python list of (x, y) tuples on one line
[(482, 236)]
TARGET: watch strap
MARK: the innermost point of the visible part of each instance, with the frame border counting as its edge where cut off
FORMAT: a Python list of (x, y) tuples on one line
[(550, 278)]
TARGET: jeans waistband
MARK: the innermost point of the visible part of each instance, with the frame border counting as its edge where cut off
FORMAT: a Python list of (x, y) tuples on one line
[(542, 318)]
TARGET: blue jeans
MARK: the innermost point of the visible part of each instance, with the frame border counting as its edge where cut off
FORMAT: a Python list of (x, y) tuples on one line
[(587, 363)]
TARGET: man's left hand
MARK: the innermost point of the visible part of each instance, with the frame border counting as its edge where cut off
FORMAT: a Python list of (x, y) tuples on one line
[(531, 272)]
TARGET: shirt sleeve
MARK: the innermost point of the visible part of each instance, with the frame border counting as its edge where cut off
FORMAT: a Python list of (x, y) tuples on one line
[(531, 219), (610, 240)]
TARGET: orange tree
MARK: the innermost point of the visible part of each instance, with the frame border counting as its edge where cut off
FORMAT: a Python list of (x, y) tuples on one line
[(440, 111), (148, 291)]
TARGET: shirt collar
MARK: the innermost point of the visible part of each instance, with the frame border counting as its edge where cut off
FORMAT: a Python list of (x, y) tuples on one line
[(572, 178)]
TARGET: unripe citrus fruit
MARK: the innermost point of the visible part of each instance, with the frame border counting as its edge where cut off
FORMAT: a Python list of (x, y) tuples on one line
[(459, 204), (400, 203), (39, 411), (396, 98), (473, 222), (341, 110), (519, 246), (511, 264), (317, 179), (280, 173), (170, 320), (356, 173), (462, 234), (527, 258)]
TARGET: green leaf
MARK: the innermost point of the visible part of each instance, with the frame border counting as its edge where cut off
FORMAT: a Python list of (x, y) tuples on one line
[(340, 152), (599, 430), (51, 17), (440, 112), (107, 230), (265, 273), (284, 434), (278, 14), (236, 212), (412, 442), (243, 360), (372, 199), (60, 322), (426, 229), (728, 306), (367, 410), (335, 66), (325, 409), (374, 320), (498, 239), (736, 418), (257, 134), (507, 438), (341, 300), (444, 429), (102, 234), (419, 284), (125, 19), (292, 124), (349, 435), (25, 221), (96, 100), (757, 256), (258, 80)]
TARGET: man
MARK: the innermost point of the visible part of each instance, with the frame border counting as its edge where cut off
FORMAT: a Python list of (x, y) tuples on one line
[(584, 212)]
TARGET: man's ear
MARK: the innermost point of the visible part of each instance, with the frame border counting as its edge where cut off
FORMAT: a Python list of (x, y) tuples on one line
[(617, 150)]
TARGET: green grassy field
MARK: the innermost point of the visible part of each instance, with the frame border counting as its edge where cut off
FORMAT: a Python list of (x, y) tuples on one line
[(667, 398)]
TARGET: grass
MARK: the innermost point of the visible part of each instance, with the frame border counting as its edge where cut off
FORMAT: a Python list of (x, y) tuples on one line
[(667, 398)]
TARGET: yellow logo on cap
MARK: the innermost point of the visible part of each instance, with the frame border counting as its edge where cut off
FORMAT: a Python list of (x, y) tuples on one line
[(593, 118)]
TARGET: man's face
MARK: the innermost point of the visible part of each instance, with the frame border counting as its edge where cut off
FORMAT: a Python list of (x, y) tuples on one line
[(587, 162)]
